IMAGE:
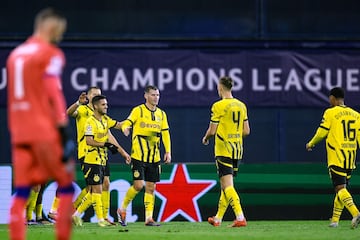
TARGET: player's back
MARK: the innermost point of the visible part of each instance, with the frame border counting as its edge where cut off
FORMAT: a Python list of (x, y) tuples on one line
[(230, 115), (344, 124), (30, 113)]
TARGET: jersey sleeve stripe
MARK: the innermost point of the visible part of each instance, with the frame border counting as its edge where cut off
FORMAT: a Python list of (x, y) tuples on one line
[(331, 147), (324, 127)]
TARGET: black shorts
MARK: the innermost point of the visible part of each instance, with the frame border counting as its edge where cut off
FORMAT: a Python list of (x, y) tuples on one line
[(339, 176), (107, 169), (149, 172), (225, 166), (93, 173)]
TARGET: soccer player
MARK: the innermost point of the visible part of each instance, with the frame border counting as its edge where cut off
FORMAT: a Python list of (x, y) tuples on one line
[(340, 127), (37, 121), (96, 136), (229, 124), (81, 111), (148, 123)]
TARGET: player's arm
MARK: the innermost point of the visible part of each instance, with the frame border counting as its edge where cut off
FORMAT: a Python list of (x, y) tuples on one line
[(121, 150), (320, 134), (127, 124), (165, 135), (246, 128), (210, 132), (72, 110), (54, 92), (118, 125), (91, 142)]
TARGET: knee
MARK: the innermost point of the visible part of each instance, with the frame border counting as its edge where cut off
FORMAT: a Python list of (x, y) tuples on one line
[(339, 187), (138, 186)]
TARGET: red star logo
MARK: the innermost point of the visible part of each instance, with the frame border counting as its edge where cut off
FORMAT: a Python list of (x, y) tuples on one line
[(179, 195)]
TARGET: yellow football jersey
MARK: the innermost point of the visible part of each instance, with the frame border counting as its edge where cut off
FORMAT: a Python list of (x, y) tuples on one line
[(147, 127), (229, 114), (83, 113), (99, 130), (342, 124)]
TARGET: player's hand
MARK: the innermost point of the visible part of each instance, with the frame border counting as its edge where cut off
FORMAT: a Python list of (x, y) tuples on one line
[(82, 98), (309, 147), (127, 131), (113, 149), (167, 158), (126, 156), (205, 141)]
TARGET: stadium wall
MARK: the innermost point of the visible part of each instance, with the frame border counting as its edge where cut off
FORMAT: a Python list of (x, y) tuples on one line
[(189, 192)]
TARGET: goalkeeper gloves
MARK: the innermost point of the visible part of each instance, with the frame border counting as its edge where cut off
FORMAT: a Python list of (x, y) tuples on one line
[(113, 149), (68, 145)]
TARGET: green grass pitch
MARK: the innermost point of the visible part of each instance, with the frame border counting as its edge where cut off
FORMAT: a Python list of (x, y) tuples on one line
[(264, 230)]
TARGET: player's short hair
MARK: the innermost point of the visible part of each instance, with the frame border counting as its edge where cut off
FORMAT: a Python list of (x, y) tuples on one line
[(97, 98), (48, 13), (337, 92), (150, 87), (91, 88), (227, 82)]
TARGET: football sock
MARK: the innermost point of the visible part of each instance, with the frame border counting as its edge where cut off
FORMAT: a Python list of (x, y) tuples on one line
[(149, 200), (337, 210), (222, 206), (98, 207), (129, 196), (17, 218), (17, 226), (64, 222), (105, 198), (31, 204), (55, 205), (80, 197), (234, 201), (38, 210), (348, 202), (85, 204), (39, 205)]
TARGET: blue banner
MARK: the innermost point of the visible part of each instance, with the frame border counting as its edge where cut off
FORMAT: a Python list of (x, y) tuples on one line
[(188, 77)]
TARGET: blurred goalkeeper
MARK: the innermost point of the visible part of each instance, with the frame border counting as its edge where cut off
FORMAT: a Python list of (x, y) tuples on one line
[(37, 121)]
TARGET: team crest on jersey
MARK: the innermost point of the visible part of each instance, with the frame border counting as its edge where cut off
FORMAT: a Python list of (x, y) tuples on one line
[(136, 174), (96, 178), (88, 129)]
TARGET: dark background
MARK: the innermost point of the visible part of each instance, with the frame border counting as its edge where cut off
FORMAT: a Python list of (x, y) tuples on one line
[(278, 135)]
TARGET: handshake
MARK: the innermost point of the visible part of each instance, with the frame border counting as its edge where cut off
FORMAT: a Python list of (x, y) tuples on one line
[(113, 149)]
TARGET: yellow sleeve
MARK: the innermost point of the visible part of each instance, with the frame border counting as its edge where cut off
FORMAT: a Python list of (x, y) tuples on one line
[(320, 134), (110, 122), (131, 119), (215, 115), (166, 140)]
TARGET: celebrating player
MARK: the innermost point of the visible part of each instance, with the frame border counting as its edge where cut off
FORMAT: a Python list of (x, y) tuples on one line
[(37, 121), (148, 123), (97, 142), (228, 123), (340, 126), (81, 111)]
